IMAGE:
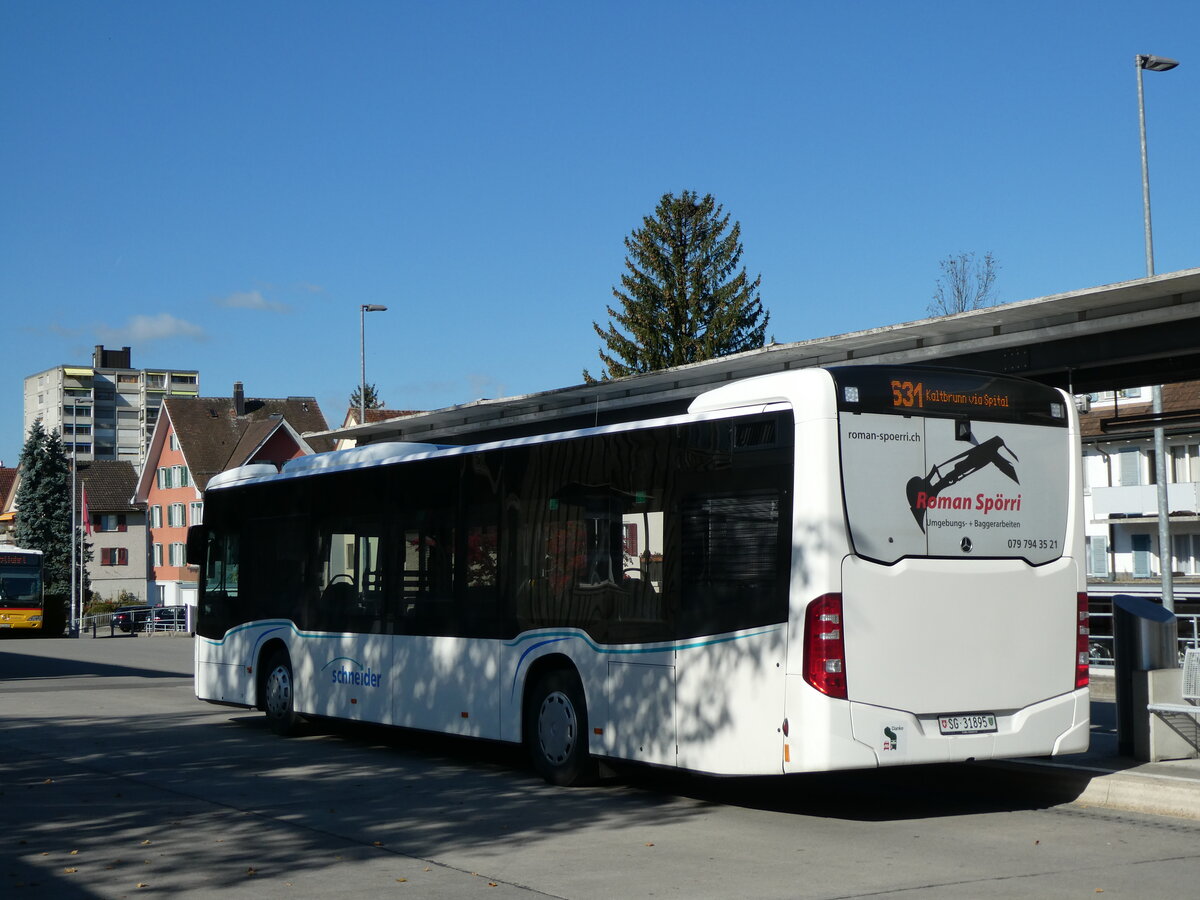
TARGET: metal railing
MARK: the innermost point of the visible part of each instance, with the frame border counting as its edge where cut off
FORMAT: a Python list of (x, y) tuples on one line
[(101, 624), (1100, 644)]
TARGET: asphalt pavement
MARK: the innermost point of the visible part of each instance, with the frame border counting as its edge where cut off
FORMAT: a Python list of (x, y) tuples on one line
[(1101, 777)]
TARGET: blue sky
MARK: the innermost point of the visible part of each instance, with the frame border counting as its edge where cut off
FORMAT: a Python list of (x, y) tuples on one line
[(220, 185)]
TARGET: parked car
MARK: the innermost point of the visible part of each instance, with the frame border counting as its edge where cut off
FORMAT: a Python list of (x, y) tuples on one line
[(130, 619), (170, 618)]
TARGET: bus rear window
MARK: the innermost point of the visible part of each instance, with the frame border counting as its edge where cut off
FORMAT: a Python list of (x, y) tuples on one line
[(967, 480)]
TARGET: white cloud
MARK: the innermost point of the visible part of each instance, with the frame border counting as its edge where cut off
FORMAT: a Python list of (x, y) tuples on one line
[(142, 329), (251, 300), (485, 386)]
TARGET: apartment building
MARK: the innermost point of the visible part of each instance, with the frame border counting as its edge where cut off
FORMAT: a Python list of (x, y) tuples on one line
[(1121, 493), (106, 410)]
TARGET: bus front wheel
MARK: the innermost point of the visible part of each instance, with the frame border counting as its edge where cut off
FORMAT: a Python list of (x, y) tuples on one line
[(556, 729), (279, 700)]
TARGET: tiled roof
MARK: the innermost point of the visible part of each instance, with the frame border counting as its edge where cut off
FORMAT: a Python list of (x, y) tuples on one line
[(1184, 395), (214, 438), (377, 415), (8, 477), (109, 483)]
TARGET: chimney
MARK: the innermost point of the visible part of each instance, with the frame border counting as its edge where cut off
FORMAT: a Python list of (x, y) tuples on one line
[(239, 399)]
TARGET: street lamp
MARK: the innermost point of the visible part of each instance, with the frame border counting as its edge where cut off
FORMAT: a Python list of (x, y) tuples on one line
[(1156, 64), (362, 346)]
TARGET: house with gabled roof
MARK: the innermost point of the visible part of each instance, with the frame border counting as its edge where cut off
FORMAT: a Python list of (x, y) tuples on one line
[(199, 437), (8, 515), (116, 529)]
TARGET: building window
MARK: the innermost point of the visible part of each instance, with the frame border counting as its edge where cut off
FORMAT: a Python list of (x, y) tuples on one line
[(173, 477), (158, 556), (178, 555), (197, 513), (1187, 553), (176, 517), (1143, 564), (1130, 469), (630, 541), (156, 517), (114, 556), (109, 522), (1127, 394), (174, 441), (1097, 557), (1185, 463)]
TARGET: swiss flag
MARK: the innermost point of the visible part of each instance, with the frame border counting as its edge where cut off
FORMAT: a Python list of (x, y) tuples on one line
[(83, 510)]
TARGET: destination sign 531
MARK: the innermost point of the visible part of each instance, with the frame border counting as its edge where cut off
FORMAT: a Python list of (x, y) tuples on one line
[(915, 395)]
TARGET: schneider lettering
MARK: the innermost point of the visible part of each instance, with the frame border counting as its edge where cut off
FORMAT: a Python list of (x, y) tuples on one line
[(364, 678), (985, 503)]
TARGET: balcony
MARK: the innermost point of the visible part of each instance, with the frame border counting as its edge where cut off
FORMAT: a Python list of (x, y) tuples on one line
[(1137, 501)]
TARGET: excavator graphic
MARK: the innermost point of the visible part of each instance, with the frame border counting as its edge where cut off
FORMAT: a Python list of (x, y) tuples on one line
[(966, 463)]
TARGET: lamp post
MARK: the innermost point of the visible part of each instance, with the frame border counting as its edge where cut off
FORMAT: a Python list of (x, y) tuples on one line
[(362, 346), (1156, 64)]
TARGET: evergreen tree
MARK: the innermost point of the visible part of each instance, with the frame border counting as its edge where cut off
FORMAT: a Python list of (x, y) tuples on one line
[(371, 396), (44, 508), (683, 299)]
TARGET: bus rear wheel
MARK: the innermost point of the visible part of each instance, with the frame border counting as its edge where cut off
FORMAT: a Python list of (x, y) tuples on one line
[(556, 730), (279, 696)]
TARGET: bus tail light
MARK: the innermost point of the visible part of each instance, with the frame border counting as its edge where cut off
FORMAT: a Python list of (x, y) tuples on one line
[(1082, 641), (825, 646)]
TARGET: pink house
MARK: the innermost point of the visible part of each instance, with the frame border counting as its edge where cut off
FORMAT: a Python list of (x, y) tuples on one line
[(194, 439)]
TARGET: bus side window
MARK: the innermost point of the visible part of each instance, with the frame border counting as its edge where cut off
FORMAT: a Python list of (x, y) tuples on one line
[(731, 553), (350, 579), (427, 580), (221, 582)]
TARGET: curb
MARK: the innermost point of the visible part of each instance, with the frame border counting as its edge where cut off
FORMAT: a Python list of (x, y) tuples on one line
[(1139, 792)]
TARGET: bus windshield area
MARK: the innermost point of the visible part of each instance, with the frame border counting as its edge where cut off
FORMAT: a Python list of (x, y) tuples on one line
[(20, 590)]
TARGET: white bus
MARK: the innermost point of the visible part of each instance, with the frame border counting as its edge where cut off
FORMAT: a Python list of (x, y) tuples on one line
[(812, 570)]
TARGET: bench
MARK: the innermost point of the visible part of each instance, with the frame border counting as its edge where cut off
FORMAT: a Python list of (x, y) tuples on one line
[(1190, 694)]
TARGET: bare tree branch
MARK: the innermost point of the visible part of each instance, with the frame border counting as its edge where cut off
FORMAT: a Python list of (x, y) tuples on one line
[(965, 283)]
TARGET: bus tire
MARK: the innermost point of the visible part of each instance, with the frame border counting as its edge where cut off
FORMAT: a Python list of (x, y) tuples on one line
[(279, 695), (556, 729)]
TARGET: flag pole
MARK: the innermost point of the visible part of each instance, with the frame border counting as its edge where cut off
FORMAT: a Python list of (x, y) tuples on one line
[(84, 528), (71, 629)]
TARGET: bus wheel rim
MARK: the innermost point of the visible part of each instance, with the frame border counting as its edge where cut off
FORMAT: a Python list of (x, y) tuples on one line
[(279, 692), (557, 726)]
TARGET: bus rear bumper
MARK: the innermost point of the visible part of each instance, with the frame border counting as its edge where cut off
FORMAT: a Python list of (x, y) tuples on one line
[(1054, 726)]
